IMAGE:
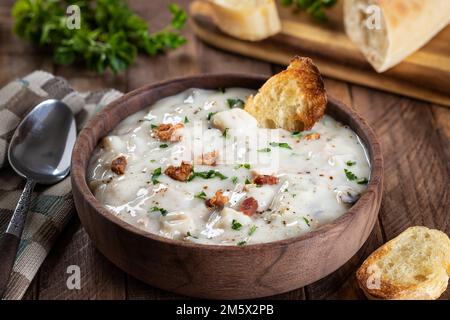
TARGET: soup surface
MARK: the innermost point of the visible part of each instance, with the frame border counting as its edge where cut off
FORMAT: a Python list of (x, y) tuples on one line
[(196, 167)]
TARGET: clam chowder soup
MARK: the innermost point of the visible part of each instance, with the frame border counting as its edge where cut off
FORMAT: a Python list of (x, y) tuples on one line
[(196, 167)]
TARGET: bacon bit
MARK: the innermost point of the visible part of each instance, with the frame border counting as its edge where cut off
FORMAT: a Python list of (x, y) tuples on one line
[(249, 206), (218, 200), (118, 165), (180, 173), (164, 132), (312, 136), (265, 179), (209, 158)]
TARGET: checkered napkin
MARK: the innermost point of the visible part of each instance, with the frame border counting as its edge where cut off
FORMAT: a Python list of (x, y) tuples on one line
[(52, 206)]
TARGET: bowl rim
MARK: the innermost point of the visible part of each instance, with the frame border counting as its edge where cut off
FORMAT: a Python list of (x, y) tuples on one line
[(78, 172)]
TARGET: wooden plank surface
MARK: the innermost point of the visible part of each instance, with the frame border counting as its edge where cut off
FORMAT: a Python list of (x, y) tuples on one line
[(415, 138)]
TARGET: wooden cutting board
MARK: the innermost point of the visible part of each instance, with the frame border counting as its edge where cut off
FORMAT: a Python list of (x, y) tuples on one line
[(424, 75)]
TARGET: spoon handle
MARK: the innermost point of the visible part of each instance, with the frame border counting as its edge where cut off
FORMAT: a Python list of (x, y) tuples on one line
[(11, 239)]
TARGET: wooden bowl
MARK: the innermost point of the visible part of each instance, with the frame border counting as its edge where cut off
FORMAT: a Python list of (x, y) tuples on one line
[(213, 271)]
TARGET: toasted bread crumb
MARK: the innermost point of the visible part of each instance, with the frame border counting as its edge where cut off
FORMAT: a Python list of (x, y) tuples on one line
[(294, 99)]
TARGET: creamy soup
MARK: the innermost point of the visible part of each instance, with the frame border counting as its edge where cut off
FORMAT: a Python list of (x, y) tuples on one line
[(196, 167)]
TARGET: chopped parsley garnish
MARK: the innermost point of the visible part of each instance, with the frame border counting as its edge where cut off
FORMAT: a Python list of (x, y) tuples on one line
[(153, 160), (190, 235), (186, 119), (156, 173), (153, 126), (234, 180), (265, 150), (306, 221), (201, 195), (243, 165), (210, 174), (210, 115), (350, 163), (161, 210), (163, 146), (247, 181), (297, 134), (235, 103), (252, 230), (235, 225), (362, 181), (225, 132), (280, 144), (241, 243), (352, 177)]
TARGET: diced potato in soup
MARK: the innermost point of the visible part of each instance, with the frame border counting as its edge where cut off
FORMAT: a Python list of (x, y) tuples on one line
[(212, 176)]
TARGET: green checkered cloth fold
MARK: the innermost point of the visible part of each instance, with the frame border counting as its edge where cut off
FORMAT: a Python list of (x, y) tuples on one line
[(52, 206)]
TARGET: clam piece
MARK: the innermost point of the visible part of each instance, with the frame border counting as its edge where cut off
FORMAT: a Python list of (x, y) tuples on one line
[(346, 195)]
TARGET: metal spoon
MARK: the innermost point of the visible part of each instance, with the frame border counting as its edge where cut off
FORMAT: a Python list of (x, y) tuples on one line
[(40, 151)]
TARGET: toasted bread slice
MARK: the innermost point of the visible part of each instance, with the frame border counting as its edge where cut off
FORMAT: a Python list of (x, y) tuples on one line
[(293, 99), (414, 265), (251, 20)]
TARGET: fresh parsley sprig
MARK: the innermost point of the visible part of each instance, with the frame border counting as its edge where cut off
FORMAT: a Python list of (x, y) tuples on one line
[(313, 7), (109, 37)]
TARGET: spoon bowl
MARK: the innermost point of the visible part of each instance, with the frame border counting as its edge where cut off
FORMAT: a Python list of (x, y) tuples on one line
[(40, 151), (41, 147)]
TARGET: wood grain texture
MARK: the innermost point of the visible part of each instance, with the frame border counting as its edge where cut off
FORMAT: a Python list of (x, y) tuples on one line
[(227, 272), (17, 59), (425, 75)]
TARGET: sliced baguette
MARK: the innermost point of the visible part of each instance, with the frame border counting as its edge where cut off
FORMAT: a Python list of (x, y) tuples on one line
[(414, 265), (293, 99), (251, 20)]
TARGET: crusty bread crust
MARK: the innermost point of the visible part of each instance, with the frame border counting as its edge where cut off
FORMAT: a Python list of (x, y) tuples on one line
[(407, 25), (428, 288), (294, 99)]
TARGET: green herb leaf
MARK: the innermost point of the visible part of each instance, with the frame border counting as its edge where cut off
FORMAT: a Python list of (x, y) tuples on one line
[(297, 134), (210, 115), (247, 181), (235, 103), (235, 225), (362, 181), (110, 34), (186, 119), (225, 132), (352, 177), (188, 234), (161, 210), (313, 7), (201, 195), (306, 221), (252, 230), (234, 180), (350, 163), (163, 146), (265, 150), (153, 126), (241, 243), (243, 165), (156, 173), (210, 174), (281, 145)]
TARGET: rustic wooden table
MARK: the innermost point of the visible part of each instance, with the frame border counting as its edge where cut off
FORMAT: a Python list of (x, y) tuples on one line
[(415, 138)]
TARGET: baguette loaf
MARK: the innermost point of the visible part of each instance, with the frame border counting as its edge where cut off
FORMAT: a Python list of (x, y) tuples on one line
[(414, 265), (404, 27), (251, 20), (293, 99)]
